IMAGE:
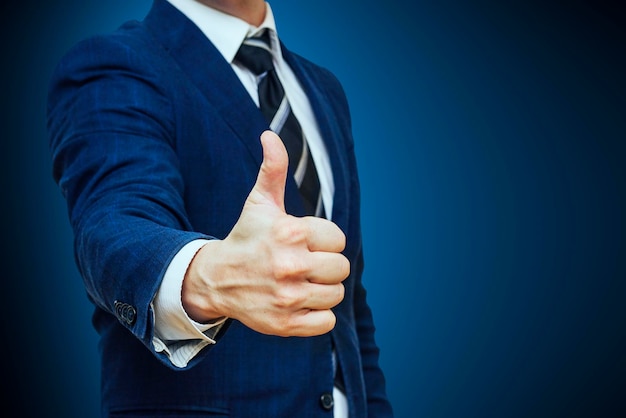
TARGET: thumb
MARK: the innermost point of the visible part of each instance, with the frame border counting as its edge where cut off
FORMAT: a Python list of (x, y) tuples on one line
[(270, 183)]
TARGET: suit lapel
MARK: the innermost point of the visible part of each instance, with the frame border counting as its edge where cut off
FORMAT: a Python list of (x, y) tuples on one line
[(331, 134), (198, 58)]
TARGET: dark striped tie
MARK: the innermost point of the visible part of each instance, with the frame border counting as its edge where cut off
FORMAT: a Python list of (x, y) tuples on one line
[(255, 55)]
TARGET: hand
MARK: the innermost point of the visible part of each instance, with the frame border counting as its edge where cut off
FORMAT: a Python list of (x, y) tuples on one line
[(275, 273)]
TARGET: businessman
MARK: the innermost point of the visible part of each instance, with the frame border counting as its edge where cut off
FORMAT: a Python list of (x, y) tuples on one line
[(212, 188)]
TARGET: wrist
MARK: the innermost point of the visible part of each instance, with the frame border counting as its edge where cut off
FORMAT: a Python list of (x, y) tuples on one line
[(199, 295)]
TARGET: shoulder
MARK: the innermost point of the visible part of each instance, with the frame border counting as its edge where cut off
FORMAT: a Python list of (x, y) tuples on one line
[(117, 79), (322, 78), (129, 48), (127, 56)]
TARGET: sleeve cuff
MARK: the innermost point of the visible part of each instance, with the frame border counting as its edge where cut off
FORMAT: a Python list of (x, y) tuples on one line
[(175, 333)]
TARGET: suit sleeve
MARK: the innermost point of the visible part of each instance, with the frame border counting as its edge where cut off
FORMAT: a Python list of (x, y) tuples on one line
[(111, 131)]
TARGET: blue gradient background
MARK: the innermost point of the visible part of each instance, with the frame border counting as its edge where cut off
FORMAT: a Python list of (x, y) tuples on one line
[(491, 143)]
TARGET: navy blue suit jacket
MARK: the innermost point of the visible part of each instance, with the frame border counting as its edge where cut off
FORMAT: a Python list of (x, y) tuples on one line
[(155, 143)]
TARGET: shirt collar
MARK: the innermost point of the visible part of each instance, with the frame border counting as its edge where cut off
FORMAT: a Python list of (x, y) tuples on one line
[(225, 31)]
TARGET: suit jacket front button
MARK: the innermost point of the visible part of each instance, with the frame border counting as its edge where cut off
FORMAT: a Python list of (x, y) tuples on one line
[(327, 402)]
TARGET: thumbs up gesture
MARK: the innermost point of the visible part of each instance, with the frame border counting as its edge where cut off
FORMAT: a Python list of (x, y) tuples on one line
[(276, 273)]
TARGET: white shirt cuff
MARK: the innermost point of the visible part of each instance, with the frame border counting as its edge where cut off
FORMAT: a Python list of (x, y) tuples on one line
[(180, 337)]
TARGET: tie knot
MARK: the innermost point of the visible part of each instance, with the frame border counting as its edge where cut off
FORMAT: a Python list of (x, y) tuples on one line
[(255, 54)]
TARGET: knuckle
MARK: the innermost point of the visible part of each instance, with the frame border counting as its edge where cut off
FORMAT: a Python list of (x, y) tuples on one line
[(331, 321), (276, 324), (341, 240), (289, 230), (282, 270), (281, 327), (287, 327), (344, 267), (287, 266), (287, 298), (325, 323), (338, 237), (341, 292)]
